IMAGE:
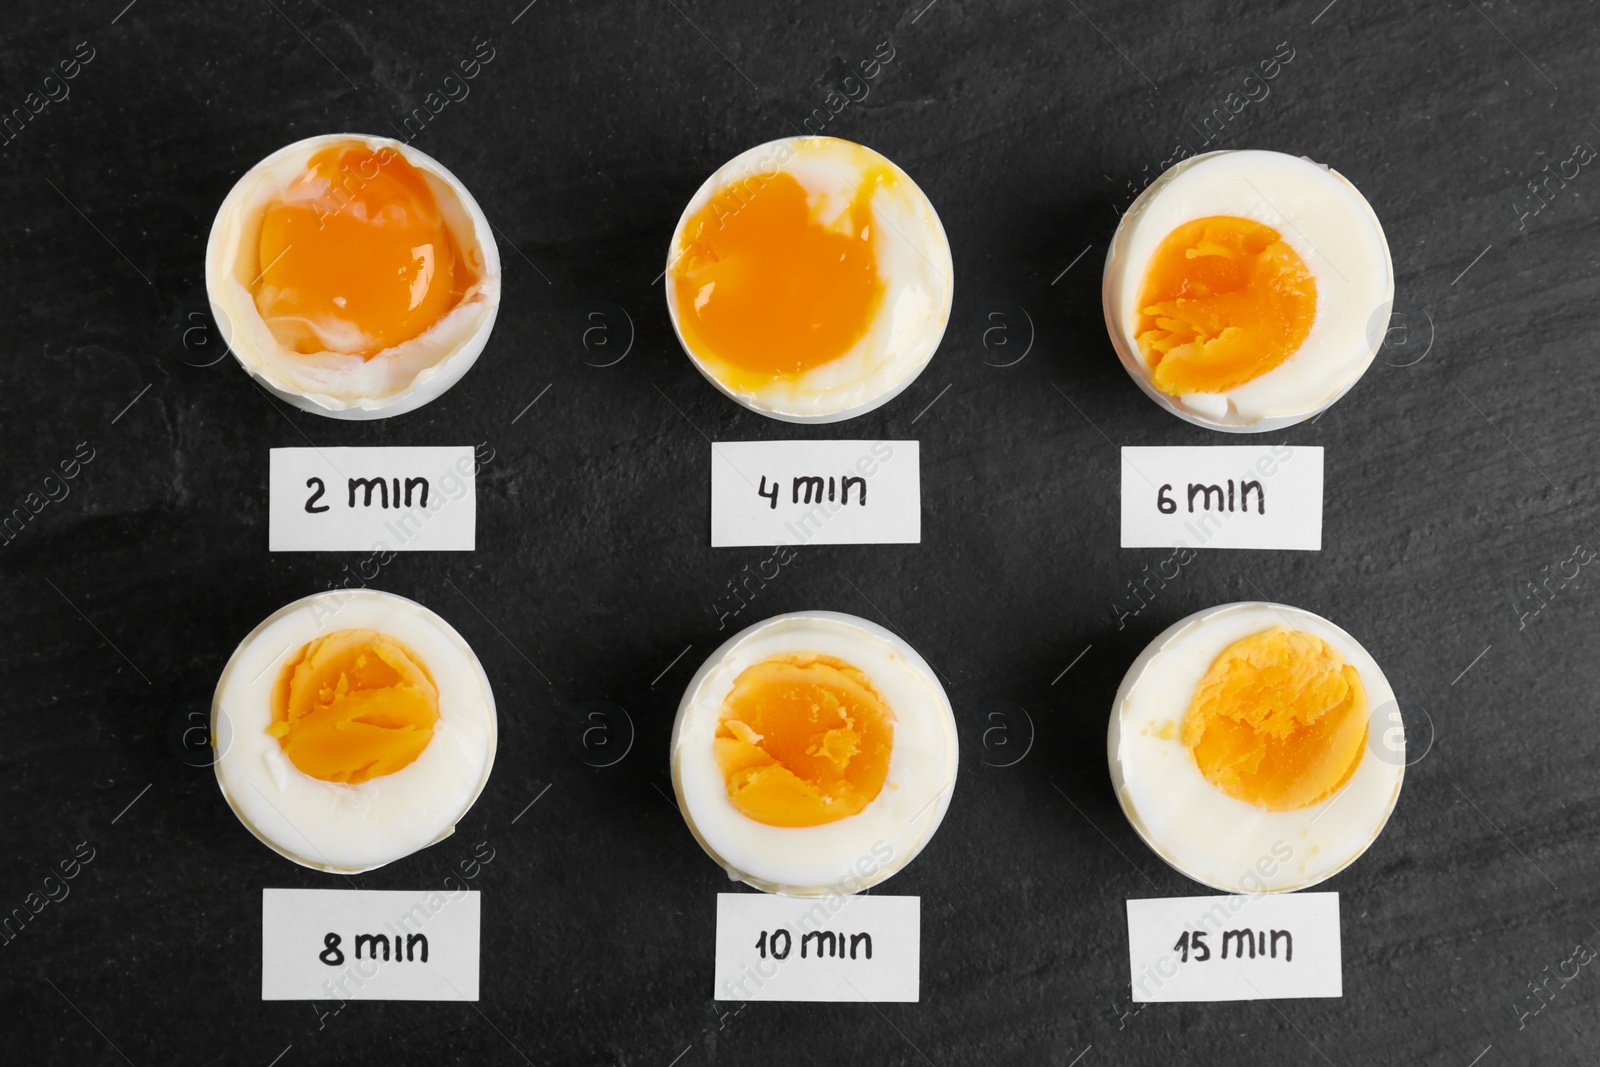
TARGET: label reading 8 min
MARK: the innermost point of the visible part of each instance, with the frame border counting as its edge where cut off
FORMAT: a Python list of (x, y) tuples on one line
[(342, 944)]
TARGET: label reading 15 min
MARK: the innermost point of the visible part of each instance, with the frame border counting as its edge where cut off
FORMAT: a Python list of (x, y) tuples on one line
[(1239, 947)]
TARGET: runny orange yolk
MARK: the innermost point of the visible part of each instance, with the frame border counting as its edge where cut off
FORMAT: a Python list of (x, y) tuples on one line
[(1279, 721), (803, 739), (355, 256), (352, 706), (1224, 301), (766, 289)]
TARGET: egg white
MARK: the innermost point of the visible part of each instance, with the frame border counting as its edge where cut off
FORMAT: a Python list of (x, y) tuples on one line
[(1330, 226), (396, 380), (913, 260), (336, 826), (850, 854), (1197, 828)]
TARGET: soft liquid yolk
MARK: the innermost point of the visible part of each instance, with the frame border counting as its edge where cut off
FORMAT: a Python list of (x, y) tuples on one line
[(1224, 301), (1279, 721), (767, 288), (354, 705), (804, 739), (355, 256)]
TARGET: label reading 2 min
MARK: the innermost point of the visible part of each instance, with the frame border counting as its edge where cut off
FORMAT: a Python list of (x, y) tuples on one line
[(372, 499)]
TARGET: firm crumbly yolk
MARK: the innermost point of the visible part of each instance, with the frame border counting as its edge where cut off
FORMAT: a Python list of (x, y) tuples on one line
[(803, 739), (355, 256), (1279, 721), (1224, 301), (354, 705), (772, 280)]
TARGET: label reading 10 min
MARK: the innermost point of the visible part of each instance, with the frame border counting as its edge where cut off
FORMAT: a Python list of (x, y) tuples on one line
[(836, 948)]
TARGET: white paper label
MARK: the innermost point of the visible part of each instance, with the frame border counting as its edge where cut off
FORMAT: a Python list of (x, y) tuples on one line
[(1269, 946), (1228, 496), (835, 948), (367, 499), (770, 493), (358, 944)]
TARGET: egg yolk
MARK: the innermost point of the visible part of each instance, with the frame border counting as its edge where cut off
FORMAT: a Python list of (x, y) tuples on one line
[(354, 705), (1225, 300), (803, 740), (768, 286), (1279, 721), (355, 256)]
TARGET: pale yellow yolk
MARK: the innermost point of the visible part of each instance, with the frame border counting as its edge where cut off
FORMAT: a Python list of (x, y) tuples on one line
[(1224, 301), (767, 290), (354, 705), (803, 739), (1279, 721), (355, 256)]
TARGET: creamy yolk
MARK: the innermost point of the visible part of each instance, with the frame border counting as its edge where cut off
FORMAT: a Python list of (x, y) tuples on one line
[(355, 256), (803, 739), (1279, 721), (767, 288), (354, 705), (1224, 301)]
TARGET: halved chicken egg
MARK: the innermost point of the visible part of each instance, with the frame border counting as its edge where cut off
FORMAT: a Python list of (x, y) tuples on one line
[(809, 279), (814, 754), (352, 728), (1247, 291), (1256, 747), (353, 276)]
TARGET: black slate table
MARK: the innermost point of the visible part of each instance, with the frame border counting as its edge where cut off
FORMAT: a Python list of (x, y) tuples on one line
[(1460, 473)]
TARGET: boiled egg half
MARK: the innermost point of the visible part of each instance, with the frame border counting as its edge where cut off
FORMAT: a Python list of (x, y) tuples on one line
[(1256, 747), (1247, 291), (814, 754), (353, 276), (809, 279), (352, 728)]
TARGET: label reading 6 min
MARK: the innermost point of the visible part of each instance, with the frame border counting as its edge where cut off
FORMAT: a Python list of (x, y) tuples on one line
[(1227, 496), (372, 499)]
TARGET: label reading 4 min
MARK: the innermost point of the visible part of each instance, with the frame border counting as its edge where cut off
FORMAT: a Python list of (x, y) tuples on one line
[(372, 499), (768, 493)]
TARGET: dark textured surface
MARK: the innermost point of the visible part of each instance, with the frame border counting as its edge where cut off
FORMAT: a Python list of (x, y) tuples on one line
[(1451, 484)]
